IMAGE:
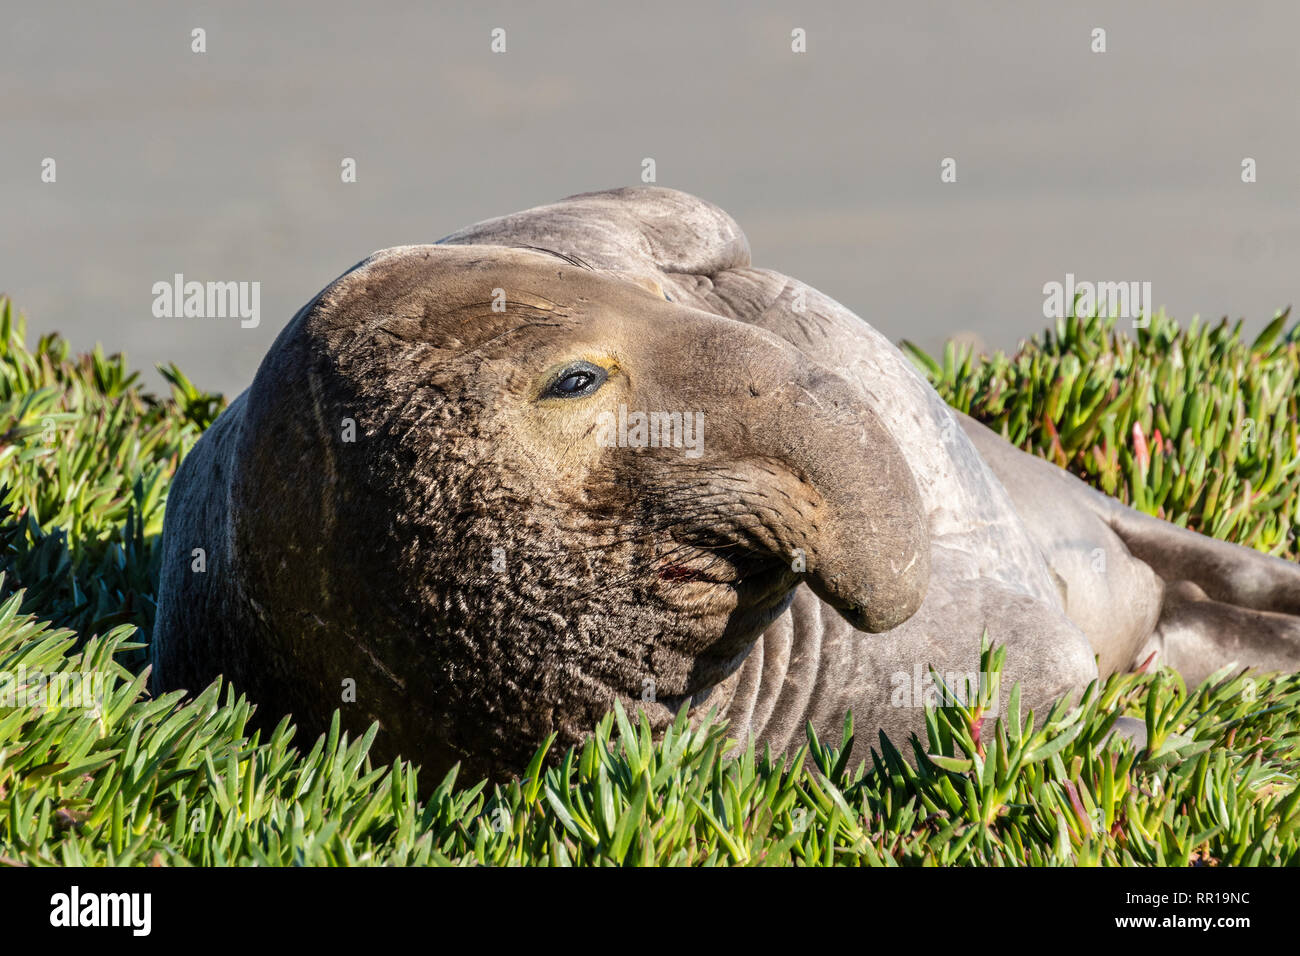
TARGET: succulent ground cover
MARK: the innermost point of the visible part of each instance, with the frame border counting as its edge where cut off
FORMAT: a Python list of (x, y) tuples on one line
[(1198, 426)]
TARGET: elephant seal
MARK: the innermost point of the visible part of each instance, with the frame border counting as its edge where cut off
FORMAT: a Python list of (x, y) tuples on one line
[(480, 490)]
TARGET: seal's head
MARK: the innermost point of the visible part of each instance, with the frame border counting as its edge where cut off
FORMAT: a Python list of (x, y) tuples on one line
[(499, 490)]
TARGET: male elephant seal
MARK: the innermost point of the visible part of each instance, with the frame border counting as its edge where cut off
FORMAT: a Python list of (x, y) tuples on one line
[(588, 453)]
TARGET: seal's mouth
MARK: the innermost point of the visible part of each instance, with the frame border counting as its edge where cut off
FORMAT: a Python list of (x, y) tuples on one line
[(762, 589), (725, 598), (754, 590), (749, 579), (671, 571)]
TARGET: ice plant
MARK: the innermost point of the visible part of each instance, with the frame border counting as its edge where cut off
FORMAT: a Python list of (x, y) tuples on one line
[(85, 462)]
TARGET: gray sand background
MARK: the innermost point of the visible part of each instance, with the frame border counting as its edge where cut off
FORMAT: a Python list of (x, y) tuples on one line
[(225, 166)]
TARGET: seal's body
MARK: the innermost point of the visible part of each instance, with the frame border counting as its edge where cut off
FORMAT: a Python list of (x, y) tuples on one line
[(464, 484)]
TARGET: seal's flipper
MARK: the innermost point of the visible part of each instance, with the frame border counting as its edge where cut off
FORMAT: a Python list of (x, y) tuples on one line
[(1223, 603), (1226, 573), (1198, 635), (1136, 584)]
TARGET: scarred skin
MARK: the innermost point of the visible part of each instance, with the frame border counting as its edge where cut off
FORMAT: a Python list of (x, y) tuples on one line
[(488, 572)]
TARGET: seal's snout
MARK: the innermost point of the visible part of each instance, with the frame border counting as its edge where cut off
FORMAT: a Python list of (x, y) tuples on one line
[(868, 553), (875, 566), (854, 600)]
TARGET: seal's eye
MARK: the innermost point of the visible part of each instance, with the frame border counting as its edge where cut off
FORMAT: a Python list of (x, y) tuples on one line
[(576, 381)]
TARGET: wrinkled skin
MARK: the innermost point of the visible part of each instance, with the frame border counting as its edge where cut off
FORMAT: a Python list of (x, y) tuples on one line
[(406, 498)]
